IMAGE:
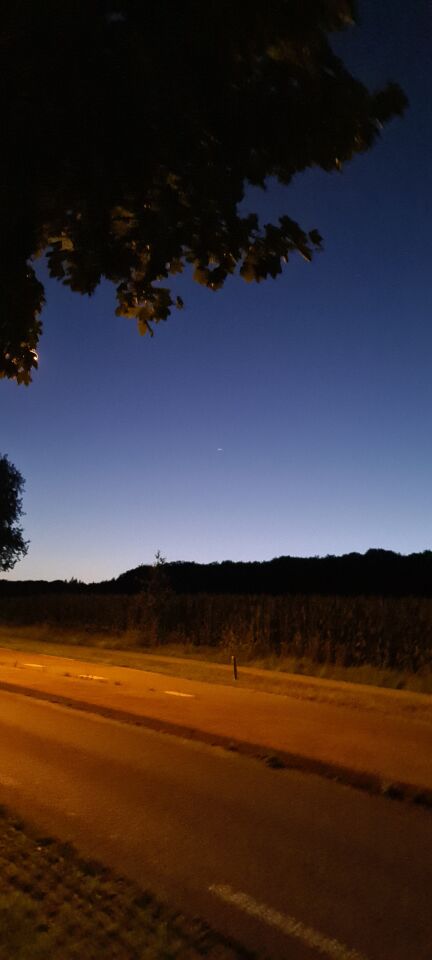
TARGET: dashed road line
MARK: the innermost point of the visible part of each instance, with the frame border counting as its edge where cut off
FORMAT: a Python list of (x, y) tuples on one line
[(288, 925), (91, 676), (177, 693), (39, 666), (6, 781)]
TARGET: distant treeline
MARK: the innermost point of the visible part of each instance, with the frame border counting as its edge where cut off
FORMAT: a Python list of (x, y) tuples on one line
[(375, 573), (382, 631)]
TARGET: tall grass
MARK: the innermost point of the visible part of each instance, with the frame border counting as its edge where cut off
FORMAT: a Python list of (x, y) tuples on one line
[(393, 633)]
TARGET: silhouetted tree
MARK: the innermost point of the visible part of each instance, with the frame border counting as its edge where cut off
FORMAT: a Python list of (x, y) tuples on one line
[(131, 129), (12, 544)]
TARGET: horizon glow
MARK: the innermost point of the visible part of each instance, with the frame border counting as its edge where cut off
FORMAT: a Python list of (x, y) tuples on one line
[(286, 418)]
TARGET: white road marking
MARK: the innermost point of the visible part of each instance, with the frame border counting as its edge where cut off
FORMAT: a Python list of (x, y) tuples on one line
[(177, 693), (39, 666), (90, 676), (6, 781), (288, 925)]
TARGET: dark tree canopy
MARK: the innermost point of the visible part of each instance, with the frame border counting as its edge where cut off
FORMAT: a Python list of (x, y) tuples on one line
[(12, 544), (131, 130)]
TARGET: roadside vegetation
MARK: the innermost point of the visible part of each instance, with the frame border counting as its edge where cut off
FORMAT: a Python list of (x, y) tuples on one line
[(357, 617), (56, 906), (385, 641)]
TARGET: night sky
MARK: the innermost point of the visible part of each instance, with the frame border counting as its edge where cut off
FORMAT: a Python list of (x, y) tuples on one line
[(290, 417)]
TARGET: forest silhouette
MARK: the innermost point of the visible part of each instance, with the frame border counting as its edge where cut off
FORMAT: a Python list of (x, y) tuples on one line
[(375, 573)]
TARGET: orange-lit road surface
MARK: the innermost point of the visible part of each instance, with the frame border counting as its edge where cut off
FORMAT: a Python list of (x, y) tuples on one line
[(292, 865), (366, 730)]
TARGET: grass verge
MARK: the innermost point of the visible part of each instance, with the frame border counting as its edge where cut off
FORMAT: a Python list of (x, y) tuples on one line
[(56, 906), (201, 663)]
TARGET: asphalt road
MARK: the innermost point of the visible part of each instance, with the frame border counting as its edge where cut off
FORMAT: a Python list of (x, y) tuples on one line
[(292, 865), (384, 733)]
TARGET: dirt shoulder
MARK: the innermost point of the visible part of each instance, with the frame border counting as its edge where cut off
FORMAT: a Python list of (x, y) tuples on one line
[(378, 739)]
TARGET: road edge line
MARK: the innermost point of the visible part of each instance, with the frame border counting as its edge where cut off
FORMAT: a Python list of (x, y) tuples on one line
[(288, 925)]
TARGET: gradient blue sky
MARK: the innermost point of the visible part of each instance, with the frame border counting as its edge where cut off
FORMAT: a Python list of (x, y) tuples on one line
[(317, 387)]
